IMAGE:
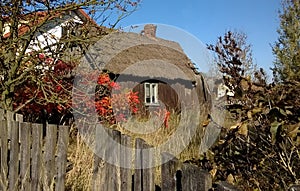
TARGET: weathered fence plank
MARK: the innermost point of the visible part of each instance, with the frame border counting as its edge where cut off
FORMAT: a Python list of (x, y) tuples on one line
[(113, 155), (27, 164), (126, 162), (144, 173), (148, 169), (96, 172), (9, 117), (3, 155), (168, 172), (19, 117), (2, 115), (97, 168), (106, 177), (195, 179), (25, 142), (49, 155), (62, 145), (138, 165), (13, 172), (36, 153)]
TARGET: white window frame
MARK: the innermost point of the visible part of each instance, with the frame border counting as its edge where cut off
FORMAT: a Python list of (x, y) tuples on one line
[(151, 93)]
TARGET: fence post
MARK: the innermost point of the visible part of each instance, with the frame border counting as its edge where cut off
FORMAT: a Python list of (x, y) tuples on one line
[(114, 154), (13, 174), (2, 115), (36, 156), (49, 155), (3, 155), (168, 172), (195, 179), (143, 176), (98, 181), (19, 118), (25, 133), (9, 117), (22, 164), (148, 169), (61, 162), (126, 161), (138, 165), (105, 176)]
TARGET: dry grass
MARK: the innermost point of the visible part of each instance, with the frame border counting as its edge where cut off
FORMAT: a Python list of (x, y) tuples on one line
[(152, 130), (81, 157)]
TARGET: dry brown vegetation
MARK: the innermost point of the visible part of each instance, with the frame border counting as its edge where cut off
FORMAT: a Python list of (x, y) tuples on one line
[(80, 155), (261, 151)]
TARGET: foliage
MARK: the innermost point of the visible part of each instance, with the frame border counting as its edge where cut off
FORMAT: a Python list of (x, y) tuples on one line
[(287, 48), (111, 106), (109, 103), (30, 68), (125, 104), (234, 58), (262, 150), (46, 89)]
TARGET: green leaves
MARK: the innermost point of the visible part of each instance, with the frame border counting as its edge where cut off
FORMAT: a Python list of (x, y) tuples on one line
[(274, 130), (287, 47)]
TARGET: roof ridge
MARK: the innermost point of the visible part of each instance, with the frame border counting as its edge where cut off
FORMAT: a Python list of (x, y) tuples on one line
[(39, 17)]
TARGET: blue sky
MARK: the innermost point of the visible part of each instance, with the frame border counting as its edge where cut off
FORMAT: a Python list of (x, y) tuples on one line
[(206, 20)]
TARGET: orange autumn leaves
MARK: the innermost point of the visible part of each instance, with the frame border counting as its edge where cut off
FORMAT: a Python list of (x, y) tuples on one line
[(117, 107), (50, 87), (46, 87)]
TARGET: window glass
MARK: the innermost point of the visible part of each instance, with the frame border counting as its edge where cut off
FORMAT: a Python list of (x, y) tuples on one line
[(151, 93)]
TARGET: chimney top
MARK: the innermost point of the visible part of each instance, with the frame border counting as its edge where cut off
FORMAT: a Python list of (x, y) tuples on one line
[(150, 30)]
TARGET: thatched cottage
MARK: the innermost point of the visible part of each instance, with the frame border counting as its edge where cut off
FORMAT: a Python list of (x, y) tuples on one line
[(156, 68)]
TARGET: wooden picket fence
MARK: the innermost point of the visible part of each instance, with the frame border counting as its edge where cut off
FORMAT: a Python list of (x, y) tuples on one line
[(174, 175), (30, 160)]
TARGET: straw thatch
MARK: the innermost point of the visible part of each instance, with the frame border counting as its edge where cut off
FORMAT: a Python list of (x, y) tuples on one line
[(135, 58), (138, 55)]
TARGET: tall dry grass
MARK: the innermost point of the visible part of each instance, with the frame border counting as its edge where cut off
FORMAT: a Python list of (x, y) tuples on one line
[(80, 157), (152, 130)]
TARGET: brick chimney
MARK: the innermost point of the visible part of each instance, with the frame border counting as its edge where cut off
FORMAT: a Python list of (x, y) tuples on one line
[(150, 30)]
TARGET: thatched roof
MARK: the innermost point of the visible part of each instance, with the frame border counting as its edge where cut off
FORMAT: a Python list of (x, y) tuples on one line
[(135, 58), (138, 55)]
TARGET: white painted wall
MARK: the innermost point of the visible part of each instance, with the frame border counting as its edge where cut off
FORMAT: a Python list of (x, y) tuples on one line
[(48, 38), (52, 36)]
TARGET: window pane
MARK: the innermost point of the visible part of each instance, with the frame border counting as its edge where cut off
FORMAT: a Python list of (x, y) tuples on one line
[(151, 93), (153, 99), (147, 93), (147, 90), (148, 100)]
